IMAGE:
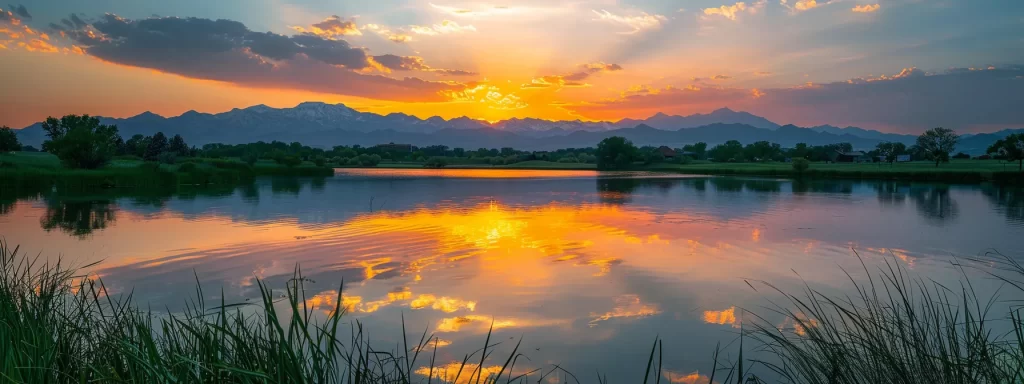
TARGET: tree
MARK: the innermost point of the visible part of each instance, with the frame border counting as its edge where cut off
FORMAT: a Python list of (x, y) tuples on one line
[(732, 150), (762, 151), (436, 162), (178, 146), (1010, 148), (699, 149), (9, 140), (157, 145), (800, 151), (615, 152), (801, 164), (80, 141), (937, 143), (136, 145), (890, 150)]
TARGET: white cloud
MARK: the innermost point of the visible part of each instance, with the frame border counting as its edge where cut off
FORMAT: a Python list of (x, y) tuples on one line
[(638, 23)]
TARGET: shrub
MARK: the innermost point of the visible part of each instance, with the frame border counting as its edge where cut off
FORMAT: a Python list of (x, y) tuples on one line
[(353, 161), (436, 162), (167, 157), (568, 159), (250, 158), (800, 165), (289, 161), (338, 160), (319, 161)]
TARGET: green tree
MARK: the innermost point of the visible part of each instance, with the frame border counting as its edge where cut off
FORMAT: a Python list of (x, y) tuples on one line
[(157, 145), (700, 149), (9, 140), (615, 152), (178, 146), (1010, 148), (801, 164), (732, 150), (762, 151), (937, 143), (136, 145), (890, 150), (81, 141), (801, 151)]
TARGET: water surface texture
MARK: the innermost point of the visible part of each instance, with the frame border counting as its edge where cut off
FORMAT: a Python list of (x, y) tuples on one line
[(589, 268)]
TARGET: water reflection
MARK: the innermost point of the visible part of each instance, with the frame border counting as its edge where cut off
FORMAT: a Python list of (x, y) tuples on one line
[(935, 204), (78, 217), (1009, 200), (576, 262)]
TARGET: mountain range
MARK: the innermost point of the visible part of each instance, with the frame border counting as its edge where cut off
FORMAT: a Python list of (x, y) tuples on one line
[(326, 125)]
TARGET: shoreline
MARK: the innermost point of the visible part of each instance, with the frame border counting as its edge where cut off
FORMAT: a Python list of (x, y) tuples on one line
[(902, 172)]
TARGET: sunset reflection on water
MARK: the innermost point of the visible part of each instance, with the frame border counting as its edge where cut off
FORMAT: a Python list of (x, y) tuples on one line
[(575, 264)]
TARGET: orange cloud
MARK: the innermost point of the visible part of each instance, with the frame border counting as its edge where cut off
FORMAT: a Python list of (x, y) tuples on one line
[(574, 79), (399, 37), (36, 45), (686, 378), (804, 5), (626, 306), (331, 28), (728, 12), (867, 8), (723, 317)]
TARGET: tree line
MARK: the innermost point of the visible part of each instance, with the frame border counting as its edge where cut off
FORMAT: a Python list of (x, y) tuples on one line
[(82, 142)]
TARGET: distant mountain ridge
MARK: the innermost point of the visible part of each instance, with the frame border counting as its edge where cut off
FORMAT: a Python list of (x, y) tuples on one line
[(325, 125)]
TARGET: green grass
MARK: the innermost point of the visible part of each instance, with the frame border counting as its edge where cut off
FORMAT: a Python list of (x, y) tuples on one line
[(60, 327), (24, 168), (957, 171)]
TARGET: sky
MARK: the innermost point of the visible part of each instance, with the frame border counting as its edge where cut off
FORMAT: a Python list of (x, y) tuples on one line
[(893, 65)]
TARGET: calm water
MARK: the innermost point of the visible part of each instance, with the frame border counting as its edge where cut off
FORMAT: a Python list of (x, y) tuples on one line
[(588, 267)]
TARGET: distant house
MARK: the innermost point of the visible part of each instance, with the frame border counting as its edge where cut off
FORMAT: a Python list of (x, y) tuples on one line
[(394, 148), (851, 157), (667, 153)]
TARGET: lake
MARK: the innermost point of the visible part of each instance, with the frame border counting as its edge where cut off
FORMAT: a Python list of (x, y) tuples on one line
[(589, 268)]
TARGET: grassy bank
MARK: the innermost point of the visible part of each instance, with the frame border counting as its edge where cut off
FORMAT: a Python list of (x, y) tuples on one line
[(45, 169), (957, 171), (57, 326)]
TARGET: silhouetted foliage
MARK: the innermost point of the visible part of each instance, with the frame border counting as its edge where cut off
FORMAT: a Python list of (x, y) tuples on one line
[(731, 151), (157, 145), (615, 152), (800, 165), (436, 162), (1010, 148), (177, 146), (8, 140), (937, 143), (81, 141), (890, 150)]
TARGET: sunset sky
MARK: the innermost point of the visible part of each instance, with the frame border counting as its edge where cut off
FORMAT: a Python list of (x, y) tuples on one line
[(892, 65)]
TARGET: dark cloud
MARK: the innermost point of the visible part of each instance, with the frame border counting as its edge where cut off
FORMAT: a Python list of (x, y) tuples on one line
[(401, 63), (909, 101), (413, 63), (20, 11), (226, 50)]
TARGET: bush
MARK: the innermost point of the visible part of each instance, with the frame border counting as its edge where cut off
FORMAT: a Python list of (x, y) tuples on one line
[(250, 158), (568, 159), (166, 157), (338, 160), (353, 161), (684, 160), (800, 165), (319, 161), (436, 162), (288, 161)]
